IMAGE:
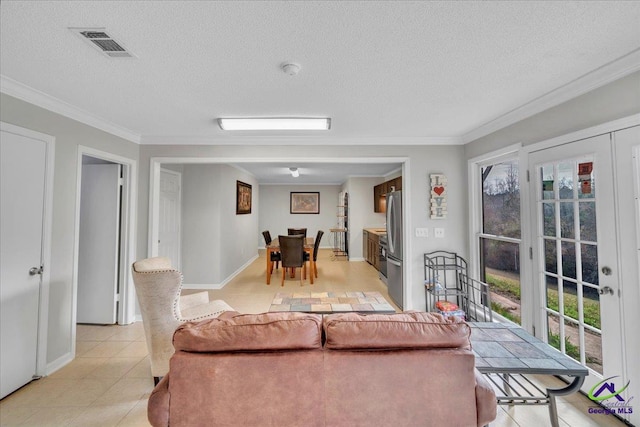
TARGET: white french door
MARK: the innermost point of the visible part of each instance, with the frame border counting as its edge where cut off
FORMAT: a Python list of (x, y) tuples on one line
[(575, 253)]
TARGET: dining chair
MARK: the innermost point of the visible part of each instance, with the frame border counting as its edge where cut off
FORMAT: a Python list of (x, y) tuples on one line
[(316, 247), (292, 253), (275, 256), (297, 231)]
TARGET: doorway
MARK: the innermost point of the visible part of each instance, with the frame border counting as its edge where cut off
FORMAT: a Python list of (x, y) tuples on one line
[(125, 300), (169, 229), (99, 261), (158, 163), (575, 253)]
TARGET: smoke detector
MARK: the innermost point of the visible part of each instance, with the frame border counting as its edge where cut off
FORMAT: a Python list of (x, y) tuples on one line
[(290, 68)]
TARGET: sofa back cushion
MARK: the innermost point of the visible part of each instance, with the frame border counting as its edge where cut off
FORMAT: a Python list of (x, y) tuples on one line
[(415, 330), (251, 332)]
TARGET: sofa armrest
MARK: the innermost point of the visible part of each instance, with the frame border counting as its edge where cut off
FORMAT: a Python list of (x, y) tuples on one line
[(158, 406), (486, 403), (192, 300)]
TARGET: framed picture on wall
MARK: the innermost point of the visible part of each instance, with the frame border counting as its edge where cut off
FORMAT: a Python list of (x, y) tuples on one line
[(304, 203), (243, 198)]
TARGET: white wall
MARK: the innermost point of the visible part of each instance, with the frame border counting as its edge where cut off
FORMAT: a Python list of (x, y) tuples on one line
[(275, 214), (215, 241), (69, 135)]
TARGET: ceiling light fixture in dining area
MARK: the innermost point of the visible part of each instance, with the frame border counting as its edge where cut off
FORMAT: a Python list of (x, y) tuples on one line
[(274, 123), (294, 172)]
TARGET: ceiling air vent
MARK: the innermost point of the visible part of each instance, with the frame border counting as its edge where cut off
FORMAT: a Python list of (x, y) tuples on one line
[(102, 41)]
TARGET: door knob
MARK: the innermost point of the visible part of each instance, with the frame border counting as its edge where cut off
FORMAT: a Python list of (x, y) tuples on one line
[(605, 290), (606, 271), (35, 270)]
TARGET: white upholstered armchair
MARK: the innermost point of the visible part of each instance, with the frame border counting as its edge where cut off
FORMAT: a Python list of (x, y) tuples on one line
[(158, 287)]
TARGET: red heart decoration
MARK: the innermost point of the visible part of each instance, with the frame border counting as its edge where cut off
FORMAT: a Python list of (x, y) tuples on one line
[(438, 190)]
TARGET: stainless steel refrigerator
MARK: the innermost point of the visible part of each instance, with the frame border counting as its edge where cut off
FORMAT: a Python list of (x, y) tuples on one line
[(394, 251)]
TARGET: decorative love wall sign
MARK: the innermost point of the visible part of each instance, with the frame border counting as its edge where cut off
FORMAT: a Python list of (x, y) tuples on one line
[(438, 196)]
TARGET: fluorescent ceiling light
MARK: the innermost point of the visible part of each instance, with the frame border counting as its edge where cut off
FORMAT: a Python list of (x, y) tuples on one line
[(294, 172), (275, 123)]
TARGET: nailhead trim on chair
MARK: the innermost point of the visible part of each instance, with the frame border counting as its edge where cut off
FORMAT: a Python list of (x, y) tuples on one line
[(177, 298)]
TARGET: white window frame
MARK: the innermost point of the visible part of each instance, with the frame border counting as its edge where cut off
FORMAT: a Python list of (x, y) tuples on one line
[(475, 165)]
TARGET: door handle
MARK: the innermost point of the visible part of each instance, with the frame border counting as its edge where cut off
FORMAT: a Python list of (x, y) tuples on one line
[(605, 290), (394, 262), (606, 271), (35, 270)]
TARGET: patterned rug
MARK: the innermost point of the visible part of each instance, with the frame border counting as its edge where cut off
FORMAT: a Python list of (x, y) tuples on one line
[(332, 302)]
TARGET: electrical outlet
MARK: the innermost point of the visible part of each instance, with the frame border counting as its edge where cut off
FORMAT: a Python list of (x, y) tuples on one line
[(438, 233), (422, 232)]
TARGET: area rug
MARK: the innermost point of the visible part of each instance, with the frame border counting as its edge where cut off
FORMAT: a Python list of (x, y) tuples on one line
[(332, 302)]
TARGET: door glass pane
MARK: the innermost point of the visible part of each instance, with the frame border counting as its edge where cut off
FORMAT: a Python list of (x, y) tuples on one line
[(593, 344), (565, 180), (552, 293), (548, 182), (553, 330), (572, 339), (567, 228), (587, 188), (588, 221), (591, 306), (550, 256), (549, 219), (570, 299), (569, 260), (589, 256)]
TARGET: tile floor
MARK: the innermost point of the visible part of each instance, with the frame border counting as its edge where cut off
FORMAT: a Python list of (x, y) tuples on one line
[(109, 381)]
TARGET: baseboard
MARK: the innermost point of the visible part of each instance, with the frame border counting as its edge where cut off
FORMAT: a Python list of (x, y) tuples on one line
[(356, 259), (215, 286), (59, 363)]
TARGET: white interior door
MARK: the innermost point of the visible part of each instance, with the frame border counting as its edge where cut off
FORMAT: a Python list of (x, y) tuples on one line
[(170, 208), (22, 181), (575, 253), (99, 244)]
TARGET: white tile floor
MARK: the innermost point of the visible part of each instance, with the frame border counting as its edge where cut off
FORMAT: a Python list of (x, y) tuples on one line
[(109, 381)]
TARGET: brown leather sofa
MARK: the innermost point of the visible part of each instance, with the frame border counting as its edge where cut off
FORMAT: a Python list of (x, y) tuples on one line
[(304, 370)]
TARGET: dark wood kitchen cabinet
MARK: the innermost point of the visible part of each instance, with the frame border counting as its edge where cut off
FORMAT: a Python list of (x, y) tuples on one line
[(380, 193), (371, 248)]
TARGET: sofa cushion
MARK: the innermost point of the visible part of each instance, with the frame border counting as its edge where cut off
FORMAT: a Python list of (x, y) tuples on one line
[(392, 331), (251, 332)]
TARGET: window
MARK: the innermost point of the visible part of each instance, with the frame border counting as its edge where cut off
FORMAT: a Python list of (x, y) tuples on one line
[(499, 236)]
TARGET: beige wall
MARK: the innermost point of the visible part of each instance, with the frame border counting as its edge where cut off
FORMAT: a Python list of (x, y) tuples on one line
[(618, 99), (69, 134)]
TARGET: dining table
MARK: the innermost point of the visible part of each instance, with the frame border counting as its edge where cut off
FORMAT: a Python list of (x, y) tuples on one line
[(274, 246)]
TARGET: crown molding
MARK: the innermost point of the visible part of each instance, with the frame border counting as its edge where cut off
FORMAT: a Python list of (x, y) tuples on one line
[(608, 73), (299, 140), (33, 96)]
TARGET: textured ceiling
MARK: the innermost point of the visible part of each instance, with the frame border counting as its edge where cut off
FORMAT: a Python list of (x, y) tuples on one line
[(402, 72)]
